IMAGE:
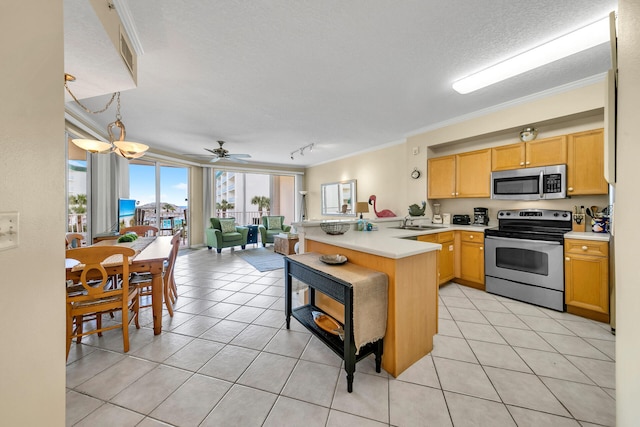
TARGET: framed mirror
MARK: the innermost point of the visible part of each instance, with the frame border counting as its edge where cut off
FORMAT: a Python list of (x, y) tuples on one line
[(339, 198)]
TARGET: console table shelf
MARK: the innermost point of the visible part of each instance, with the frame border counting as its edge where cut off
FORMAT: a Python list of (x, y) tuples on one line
[(341, 291)]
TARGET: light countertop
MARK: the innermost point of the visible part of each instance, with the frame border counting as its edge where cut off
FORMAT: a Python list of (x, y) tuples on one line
[(588, 235), (387, 242)]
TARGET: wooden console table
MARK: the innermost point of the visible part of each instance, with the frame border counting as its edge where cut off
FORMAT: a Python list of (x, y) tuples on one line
[(332, 283)]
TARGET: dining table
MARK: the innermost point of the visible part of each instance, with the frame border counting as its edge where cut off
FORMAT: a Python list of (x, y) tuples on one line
[(151, 255)]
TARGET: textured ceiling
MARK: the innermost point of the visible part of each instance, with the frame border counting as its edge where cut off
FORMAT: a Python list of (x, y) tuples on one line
[(270, 77)]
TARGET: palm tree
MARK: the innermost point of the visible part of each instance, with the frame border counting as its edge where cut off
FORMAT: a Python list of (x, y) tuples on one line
[(261, 202), (223, 206)]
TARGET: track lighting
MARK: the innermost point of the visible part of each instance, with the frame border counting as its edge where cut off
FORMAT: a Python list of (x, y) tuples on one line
[(301, 150)]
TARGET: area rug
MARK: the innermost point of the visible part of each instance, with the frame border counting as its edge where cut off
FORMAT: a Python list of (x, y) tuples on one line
[(262, 259)]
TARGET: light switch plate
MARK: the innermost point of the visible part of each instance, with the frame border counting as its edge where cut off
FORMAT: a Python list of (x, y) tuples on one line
[(9, 230)]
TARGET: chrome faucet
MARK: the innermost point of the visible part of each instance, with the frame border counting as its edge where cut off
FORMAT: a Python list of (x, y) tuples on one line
[(404, 221)]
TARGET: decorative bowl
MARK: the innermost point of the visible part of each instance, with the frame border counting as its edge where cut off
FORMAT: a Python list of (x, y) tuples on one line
[(336, 259), (335, 227)]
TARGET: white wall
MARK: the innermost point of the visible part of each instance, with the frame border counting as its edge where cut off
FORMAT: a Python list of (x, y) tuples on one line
[(32, 182), (626, 217)]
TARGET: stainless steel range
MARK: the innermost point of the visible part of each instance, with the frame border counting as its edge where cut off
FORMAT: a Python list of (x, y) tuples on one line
[(524, 257)]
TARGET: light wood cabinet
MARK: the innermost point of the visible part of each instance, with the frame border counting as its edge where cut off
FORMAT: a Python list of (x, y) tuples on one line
[(441, 177), (445, 258), (471, 258), (461, 175), (585, 163), (587, 278), (542, 152)]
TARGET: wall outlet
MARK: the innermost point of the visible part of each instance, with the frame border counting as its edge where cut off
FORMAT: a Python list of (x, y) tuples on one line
[(8, 230)]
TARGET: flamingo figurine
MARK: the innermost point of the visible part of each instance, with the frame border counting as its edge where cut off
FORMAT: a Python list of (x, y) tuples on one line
[(385, 213)]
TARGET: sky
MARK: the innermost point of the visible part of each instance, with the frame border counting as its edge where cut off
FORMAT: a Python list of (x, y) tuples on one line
[(173, 184)]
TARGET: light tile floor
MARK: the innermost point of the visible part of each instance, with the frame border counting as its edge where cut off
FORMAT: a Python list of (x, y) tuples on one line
[(226, 359)]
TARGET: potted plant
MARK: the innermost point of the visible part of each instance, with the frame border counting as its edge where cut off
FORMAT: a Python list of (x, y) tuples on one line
[(223, 206)]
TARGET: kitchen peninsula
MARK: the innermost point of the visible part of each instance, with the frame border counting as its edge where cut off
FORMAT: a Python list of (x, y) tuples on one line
[(412, 293)]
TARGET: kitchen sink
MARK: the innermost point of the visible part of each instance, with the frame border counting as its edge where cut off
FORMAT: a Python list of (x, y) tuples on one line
[(418, 227)]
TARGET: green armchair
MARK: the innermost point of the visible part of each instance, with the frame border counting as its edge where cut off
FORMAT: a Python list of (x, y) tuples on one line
[(224, 233), (272, 226)]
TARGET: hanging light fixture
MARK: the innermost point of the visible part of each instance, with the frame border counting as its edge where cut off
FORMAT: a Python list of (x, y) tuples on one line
[(126, 149)]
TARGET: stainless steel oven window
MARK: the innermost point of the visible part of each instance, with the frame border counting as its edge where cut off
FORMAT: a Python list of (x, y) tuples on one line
[(526, 260)]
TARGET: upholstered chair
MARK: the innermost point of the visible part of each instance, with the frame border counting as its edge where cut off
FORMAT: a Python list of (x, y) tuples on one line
[(224, 233), (272, 226)]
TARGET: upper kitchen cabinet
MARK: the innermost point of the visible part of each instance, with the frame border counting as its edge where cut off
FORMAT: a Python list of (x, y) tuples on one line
[(542, 152), (585, 163), (441, 178), (461, 175)]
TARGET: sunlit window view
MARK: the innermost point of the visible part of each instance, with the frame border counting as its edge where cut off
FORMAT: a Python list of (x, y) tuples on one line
[(171, 214)]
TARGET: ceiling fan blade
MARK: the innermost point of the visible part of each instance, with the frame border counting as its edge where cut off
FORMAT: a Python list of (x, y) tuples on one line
[(235, 159), (215, 159), (240, 156), (212, 151)]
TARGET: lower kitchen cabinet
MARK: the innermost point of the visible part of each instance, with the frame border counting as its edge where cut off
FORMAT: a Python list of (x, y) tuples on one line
[(445, 258), (471, 258), (587, 278)]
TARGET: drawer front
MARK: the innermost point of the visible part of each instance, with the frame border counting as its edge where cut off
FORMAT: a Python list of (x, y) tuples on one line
[(470, 236), (586, 247), (447, 236), (431, 238)]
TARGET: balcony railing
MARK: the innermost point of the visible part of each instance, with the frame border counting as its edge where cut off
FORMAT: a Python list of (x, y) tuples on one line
[(243, 217)]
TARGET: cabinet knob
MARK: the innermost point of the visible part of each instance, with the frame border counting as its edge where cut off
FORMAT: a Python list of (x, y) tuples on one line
[(528, 163), (521, 163), (453, 194), (567, 259), (570, 188), (457, 193), (471, 237), (584, 248), (481, 248)]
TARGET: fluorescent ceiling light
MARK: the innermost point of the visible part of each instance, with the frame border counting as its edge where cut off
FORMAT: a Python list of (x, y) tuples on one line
[(574, 42)]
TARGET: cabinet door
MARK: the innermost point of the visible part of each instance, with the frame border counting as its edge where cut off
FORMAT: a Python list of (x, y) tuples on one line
[(546, 152), (473, 174), (447, 258), (472, 262), (507, 157), (441, 177), (585, 163), (587, 282)]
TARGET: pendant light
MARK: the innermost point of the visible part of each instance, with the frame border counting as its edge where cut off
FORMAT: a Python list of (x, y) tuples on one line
[(126, 149)]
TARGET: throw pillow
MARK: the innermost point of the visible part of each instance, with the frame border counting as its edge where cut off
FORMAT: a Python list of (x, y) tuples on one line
[(227, 225), (275, 223)]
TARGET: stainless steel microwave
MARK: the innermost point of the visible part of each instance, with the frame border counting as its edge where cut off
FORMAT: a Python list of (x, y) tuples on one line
[(542, 183)]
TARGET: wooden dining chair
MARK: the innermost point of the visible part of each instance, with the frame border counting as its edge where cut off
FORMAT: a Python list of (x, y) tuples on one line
[(93, 293), (141, 230), (169, 288), (74, 240)]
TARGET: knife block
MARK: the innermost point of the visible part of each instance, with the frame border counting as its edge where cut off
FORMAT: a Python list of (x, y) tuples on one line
[(579, 223)]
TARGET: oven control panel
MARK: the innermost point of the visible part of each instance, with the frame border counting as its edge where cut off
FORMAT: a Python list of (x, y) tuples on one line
[(535, 214)]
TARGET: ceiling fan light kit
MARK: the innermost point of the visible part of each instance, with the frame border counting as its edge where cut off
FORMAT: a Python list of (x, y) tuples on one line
[(126, 149), (582, 39)]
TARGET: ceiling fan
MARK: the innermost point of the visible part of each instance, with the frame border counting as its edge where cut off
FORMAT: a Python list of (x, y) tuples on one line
[(222, 153)]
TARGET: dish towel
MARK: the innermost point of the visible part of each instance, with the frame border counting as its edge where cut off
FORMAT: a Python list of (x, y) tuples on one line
[(370, 296)]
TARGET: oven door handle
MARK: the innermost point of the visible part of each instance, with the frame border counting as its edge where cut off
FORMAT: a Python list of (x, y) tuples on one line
[(541, 185), (511, 239)]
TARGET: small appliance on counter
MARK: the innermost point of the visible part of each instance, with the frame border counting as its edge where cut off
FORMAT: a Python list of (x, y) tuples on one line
[(446, 218), (437, 218), (461, 219), (480, 216)]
